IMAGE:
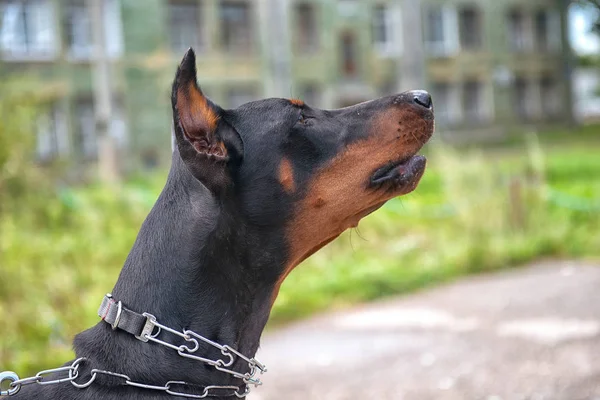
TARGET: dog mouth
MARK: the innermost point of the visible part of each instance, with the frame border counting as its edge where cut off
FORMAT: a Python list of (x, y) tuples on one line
[(403, 175), (396, 178)]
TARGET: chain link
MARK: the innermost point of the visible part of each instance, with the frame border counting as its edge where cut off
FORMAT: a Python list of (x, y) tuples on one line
[(16, 383), (73, 373)]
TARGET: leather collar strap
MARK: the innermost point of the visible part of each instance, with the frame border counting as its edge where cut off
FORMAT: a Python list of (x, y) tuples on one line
[(116, 315)]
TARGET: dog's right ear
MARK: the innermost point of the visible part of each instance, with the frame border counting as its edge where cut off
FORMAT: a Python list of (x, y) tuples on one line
[(208, 145)]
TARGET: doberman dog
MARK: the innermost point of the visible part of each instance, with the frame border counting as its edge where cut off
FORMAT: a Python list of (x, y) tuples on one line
[(251, 193)]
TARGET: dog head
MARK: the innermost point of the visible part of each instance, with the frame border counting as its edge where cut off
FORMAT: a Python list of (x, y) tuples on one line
[(298, 173)]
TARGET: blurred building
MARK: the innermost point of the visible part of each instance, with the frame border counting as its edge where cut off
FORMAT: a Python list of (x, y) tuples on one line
[(586, 84), (491, 65)]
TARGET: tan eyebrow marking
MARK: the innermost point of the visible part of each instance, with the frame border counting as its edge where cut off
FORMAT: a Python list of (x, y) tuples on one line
[(297, 102)]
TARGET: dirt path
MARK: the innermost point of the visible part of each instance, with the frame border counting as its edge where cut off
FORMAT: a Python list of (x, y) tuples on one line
[(529, 333)]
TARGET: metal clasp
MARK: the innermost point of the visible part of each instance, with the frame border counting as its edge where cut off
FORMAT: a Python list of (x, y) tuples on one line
[(115, 324), (12, 377), (148, 327)]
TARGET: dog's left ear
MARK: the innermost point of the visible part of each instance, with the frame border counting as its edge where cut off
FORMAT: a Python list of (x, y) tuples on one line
[(208, 145)]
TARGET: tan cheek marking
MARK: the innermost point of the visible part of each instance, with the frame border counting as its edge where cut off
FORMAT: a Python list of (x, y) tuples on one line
[(338, 196), (297, 102), (286, 176)]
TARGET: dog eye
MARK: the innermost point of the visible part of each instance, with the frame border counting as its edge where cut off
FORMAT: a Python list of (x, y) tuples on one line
[(303, 119)]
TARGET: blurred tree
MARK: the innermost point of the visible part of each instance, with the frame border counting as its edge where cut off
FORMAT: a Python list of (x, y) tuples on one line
[(588, 60), (21, 102), (595, 4), (16, 133)]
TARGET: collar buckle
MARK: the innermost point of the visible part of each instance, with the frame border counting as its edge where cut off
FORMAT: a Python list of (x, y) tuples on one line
[(148, 328)]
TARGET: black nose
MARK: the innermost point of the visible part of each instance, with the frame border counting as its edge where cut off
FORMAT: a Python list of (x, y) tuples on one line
[(422, 98)]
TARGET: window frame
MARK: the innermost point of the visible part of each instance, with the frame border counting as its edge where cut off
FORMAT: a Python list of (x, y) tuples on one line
[(248, 44), (392, 26), (199, 43), (449, 44), (312, 45), (27, 51), (474, 43), (52, 133)]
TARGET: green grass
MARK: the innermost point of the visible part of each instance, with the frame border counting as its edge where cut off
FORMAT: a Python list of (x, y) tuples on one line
[(60, 252)]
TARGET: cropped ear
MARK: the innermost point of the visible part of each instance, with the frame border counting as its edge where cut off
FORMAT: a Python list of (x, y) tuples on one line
[(208, 145)]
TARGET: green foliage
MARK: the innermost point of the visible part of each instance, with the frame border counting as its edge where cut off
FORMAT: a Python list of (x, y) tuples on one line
[(22, 99), (474, 211), (588, 61), (17, 111)]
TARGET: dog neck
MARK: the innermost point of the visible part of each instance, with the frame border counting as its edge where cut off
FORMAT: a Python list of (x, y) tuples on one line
[(190, 267)]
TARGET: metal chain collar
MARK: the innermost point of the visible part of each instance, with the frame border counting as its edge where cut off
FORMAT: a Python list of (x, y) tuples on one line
[(73, 373), (150, 332)]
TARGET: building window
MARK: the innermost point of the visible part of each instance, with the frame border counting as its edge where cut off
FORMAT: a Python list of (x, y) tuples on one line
[(27, 29), (435, 28), (441, 30), (77, 29), (550, 96), (348, 48), (386, 23), (380, 29), (240, 95), (520, 98), (541, 30), (184, 26), (307, 28), (547, 30), (236, 27), (472, 102), (518, 33), (85, 130), (52, 140), (470, 28), (527, 99), (311, 94)]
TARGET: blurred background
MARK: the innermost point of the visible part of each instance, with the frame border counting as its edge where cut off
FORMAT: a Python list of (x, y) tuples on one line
[(513, 179)]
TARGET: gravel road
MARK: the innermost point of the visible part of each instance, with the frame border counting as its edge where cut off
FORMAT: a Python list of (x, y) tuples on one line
[(528, 333)]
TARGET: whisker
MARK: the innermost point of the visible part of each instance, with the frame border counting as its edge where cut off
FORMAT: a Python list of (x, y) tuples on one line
[(360, 235)]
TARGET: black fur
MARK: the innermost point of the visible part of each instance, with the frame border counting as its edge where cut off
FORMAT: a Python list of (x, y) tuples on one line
[(209, 254)]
